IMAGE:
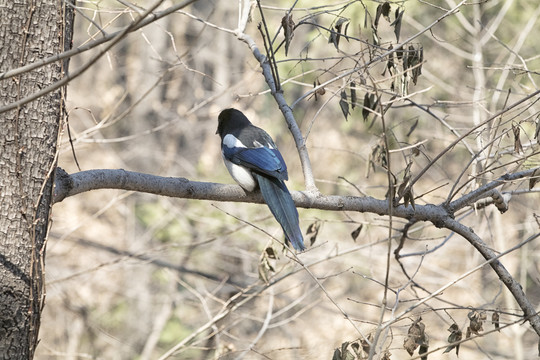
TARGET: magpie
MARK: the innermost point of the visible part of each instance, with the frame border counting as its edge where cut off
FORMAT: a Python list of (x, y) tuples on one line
[(253, 160)]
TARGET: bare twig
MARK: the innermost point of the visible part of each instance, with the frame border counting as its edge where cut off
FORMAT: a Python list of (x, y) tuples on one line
[(69, 77), (81, 49), (287, 113)]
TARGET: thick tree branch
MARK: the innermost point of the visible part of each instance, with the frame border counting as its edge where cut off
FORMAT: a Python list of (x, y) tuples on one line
[(72, 184), (441, 216)]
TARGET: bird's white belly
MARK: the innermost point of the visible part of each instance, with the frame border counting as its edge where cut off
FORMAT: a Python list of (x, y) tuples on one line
[(241, 175)]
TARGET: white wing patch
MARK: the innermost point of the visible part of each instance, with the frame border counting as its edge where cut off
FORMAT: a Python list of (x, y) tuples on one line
[(231, 141)]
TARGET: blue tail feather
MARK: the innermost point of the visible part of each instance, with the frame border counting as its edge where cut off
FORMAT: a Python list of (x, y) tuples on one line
[(279, 200)]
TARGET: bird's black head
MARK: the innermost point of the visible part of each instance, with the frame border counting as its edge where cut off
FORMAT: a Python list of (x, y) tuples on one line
[(230, 120)]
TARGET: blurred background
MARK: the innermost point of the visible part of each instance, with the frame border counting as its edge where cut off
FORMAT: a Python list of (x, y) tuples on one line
[(138, 276)]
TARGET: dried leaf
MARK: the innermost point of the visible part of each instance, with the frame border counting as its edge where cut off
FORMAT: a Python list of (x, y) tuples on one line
[(495, 319), (417, 64), (535, 177), (365, 345), (385, 10), (270, 252), (336, 35), (424, 348), (367, 106), (288, 30), (320, 91), (265, 268), (313, 231), (344, 105), (377, 16), (517, 142), (455, 335), (339, 24), (370, 103), (408, 197), (410, 345), (343, 353), (397, 23), (415, 336), (334, 39), (353, 95), (476, 320), (413, 60), (356, 347), (356, 232), (390, 64)]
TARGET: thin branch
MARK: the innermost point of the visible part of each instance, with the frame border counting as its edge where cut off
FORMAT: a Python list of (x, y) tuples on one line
[(73, 75), (287, 113), (81, 49), (485, 191), (455, 142)]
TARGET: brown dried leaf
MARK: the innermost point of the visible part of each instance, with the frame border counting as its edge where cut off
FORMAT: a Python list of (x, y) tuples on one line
[(495, 319), (343, 353), (344, 105), (517, 142), (535, 177), (288, 30), (320, 91), (424, 348), (265, 268), (367, 106), (415, 336), (397, 23), (390, 64), (385, 11), (270, 252), (377, 16), (353, 94), (455, 335), (313, 231), (356, 232), (410, 345), (476, 320), (336, 35), (334, 39)]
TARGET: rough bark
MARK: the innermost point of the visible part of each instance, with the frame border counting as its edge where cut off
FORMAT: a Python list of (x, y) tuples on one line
[(29, 31)]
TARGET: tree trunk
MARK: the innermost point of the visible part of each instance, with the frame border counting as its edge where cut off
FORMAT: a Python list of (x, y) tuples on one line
[(30, 30)]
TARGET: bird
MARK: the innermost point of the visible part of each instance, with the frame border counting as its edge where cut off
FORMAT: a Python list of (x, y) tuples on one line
[(254, 161)]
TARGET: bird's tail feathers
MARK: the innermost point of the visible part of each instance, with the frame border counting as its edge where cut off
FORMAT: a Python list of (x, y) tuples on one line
[(279, 200)]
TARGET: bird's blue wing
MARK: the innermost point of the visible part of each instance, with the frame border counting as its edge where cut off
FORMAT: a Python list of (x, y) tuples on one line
[(261, 159)]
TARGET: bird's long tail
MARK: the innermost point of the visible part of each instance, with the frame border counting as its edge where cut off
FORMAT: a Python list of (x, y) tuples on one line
[(279, 200)]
